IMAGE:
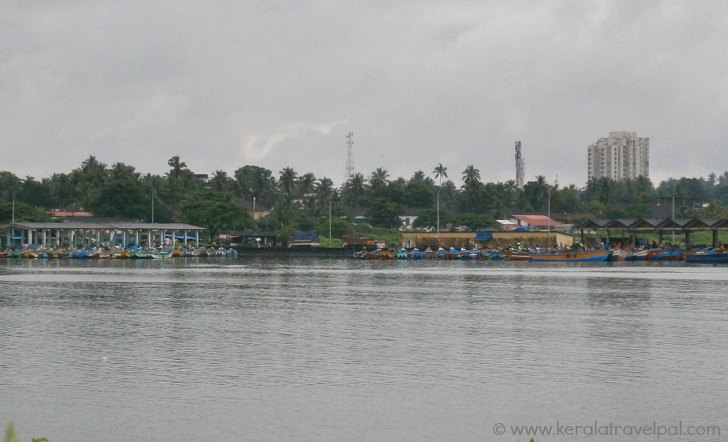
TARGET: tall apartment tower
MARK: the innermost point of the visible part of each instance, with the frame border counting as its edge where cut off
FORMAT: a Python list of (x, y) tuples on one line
[(621, 156)]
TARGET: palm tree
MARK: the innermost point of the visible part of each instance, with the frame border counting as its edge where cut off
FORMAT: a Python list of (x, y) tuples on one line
[(471, 176), (306, 183), (324, 192), (175, 178), (286, 181), (378, 178), (440, 173), (355, 189), (471, 187), (221, 183)]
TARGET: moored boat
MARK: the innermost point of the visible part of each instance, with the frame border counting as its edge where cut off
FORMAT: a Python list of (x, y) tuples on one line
[(709, 257), (592, 256)]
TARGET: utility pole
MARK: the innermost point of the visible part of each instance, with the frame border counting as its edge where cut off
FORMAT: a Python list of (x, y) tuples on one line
[(154, 192), (13, 217), (331, 193)]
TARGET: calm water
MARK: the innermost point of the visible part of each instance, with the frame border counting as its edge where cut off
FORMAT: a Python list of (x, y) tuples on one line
[(337, 350)]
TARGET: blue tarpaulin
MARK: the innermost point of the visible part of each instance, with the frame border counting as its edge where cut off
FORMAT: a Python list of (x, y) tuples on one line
[(483, 236)]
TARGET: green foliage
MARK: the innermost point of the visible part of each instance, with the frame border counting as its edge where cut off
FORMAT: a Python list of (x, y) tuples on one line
[(427, 218), (209, 210), (473, 221), (258, 182), (384, 213), (23, 212), (714, 210), (339, 228), (302, 202)]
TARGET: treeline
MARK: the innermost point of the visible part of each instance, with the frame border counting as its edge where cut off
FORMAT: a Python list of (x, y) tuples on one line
[(293, 201)]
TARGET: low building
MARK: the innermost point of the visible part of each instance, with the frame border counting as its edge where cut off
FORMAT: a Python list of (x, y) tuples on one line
[(535, 222), (423, 240), (506, 224)]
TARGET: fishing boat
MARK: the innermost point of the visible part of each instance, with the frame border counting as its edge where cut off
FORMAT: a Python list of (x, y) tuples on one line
[(402, 253), (416, 254), (148, 254), (708, 257), (592, 256)]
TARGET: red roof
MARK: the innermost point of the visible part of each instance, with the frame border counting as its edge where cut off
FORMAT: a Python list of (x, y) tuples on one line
[(537, 220)]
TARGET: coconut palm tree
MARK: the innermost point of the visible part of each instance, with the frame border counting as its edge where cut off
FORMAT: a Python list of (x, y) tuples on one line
[(440, 173), (355, 190), (471, 187), (286, 181)]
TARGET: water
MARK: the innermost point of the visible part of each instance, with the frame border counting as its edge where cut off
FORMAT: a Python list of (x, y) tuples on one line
[(337, 350)]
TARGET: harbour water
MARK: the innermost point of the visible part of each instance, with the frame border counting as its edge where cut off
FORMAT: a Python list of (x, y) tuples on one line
[(338, 350)]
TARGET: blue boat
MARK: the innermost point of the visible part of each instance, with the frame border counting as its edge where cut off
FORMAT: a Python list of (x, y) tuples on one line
[(416, 254), (709, 257)]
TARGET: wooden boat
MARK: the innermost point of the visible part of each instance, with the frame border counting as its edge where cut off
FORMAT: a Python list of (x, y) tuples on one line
[(518, 257), (707, 258), (593, 256), (386, 254)]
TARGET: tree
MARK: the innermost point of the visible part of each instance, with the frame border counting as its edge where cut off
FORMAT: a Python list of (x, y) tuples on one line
[(121, 195), (287, 181), (306, 184), (355, 190), (206, 208), (89, 179), (221, 183), (258, 182), (471, 188), (536, 193), (324, 195), (378, 180), (175, 178), (440, 173), (383, 213)]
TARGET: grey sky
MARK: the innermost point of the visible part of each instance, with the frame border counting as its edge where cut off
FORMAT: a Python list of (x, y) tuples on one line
[(280, 83)]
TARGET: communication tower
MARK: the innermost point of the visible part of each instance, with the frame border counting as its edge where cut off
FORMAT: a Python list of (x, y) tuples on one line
[(349, 158), (520, 166)]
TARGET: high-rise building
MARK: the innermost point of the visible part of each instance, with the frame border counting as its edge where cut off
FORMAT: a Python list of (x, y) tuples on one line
[(621, 156)]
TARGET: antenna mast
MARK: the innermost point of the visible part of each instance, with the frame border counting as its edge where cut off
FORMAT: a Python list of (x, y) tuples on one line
[(349, 158), (520, 167)]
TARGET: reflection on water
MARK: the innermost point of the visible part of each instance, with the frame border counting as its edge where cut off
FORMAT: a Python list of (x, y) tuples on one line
[(351, 350)]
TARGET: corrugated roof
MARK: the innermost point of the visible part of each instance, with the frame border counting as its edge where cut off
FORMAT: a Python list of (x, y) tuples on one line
[(537, 220), (111, 225)]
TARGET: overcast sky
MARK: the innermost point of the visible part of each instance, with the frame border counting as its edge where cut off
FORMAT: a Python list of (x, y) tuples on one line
[(279, 83)]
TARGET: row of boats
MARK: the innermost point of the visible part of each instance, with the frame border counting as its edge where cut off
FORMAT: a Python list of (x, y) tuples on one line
[(709, 256), (485, 254), (118, 253)]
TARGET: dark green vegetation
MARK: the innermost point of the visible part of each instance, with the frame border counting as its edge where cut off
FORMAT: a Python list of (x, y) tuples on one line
[(289, 201)]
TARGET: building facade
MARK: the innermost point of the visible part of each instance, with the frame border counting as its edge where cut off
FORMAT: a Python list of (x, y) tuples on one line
[(621, 156)]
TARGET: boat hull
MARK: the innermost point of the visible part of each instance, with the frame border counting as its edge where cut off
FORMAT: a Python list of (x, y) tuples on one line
[(597, 256), (709, 258)]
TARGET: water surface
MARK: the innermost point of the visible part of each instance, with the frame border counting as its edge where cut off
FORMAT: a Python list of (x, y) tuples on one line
[(326, 349)]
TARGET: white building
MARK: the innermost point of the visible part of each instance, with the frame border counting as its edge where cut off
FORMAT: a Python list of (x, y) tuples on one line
[(621, 156)]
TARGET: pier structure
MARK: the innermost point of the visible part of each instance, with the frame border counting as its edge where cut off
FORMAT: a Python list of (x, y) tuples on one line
[(661, 227), (75, 234)]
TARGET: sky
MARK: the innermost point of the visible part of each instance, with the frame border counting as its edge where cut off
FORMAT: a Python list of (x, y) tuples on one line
[(274, 83)]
